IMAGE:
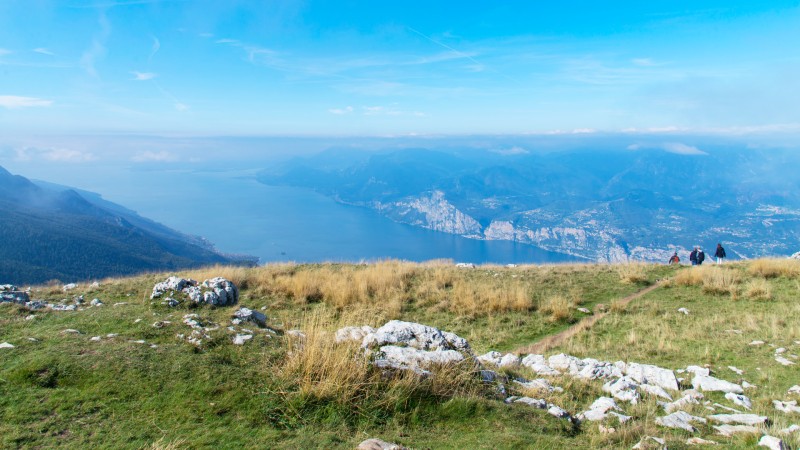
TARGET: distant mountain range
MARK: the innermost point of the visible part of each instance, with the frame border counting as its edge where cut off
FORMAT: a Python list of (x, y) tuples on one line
[(602, 205), (50, 232)]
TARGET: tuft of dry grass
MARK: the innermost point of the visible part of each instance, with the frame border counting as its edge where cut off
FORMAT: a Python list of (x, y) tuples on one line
[(712, 279), (559, 307), (758, 289), (169, 445), (631, 273), (773, 268)]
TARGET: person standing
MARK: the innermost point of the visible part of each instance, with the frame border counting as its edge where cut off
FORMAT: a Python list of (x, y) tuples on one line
[(720, 254), (693, 256), (674, 259), (701, 256)]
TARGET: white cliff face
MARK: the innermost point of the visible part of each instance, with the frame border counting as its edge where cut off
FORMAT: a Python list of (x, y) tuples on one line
[(433, 212)]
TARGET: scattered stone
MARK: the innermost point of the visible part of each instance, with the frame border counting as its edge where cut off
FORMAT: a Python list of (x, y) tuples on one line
[(94, 285), (648, 374), (606, 430), (772, 443), (137, 320), (736, 370), (139, 341), (224, 292), (741, 419), (784, 361), (96, 302), (712, 384), (790, 430), (6, 345), (699, 441), (585, 310), (747, 385), (69, 287), (11, 294), (412, 357), (30, 317), (70, 331), (681, 420), (112, 335), (553, 410), (377, 444), (539, 384), (757, 343), (697, 370), (601, 409), (96, 339), (684, 311), (249, 315), (240, 339), (161, 323), (787, 407), (218, 291), (623, 389), (120, 303), (537, 364), (730, 430), (726, 408), (465, 265), (353, 333), (655, 390), (645, 443), (421, 337), (690, 397), (779, 350), (739, 399)]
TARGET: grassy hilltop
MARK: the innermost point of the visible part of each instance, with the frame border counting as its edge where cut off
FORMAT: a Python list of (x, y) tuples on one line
[(120, 376)]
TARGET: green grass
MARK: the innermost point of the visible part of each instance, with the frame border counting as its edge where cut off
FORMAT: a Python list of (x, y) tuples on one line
[(64, 390)]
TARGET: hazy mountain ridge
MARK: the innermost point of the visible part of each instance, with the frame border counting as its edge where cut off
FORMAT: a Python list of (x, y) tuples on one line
[(54, 232), (603, 205)]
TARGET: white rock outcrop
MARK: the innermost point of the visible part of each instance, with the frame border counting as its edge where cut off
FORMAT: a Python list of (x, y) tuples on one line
[(681, 420), (648, 374), (739, 419), (712, 384), (772, 443)]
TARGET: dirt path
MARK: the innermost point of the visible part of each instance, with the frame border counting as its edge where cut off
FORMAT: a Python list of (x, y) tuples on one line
[(584, 324)]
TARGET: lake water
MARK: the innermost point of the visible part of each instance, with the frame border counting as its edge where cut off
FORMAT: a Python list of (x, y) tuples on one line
[(275, 223)]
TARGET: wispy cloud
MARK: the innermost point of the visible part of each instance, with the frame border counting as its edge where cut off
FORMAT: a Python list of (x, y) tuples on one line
[(227, 41), (341, 111), (670, 147), (97, 48), (43, 51), (643, 62), (4, 51), (181, 106), (515, 150), (15, 101), (53, 154), (143, 76), (154, 49), (150, 156)]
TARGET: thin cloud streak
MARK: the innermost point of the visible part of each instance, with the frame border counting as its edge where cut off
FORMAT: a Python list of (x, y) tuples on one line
[(15, 101)]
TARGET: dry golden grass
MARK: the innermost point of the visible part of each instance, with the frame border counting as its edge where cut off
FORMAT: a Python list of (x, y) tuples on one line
[(558, 306), (712, 279), (169, 445), (631, 273), (758, 289), (772, 268)]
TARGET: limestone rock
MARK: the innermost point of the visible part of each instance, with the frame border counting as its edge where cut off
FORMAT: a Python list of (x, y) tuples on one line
[(248, 315), (225, 291), (712, 384), (539, 384), (700, 441), (553, 410), (739, 419), (353, 333), (648, 374), (413, 357), (240, 339), (787, 407), (421, 337), (679, 419), (601, 409), (730, 430), (650, 442), (794, 389), (377, 444), (756, 343), (790, 429), (772, 443), (171, 284), (623, 389), (498, 359), (96, 302), (739, 399), (657, 391), (6, 345), (697, 370), (690, 397), (10, 294), (784, 361), (684, 311), (69, 287), (537, 364)]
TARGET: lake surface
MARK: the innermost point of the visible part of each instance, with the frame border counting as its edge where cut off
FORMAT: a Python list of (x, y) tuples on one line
[(240, 215)]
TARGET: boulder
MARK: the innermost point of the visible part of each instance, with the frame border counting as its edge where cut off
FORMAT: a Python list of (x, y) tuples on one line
[(410, 334), (171, 284), (739, 419), (565, 363), (712, 384), (498, 359), (537, 364), (225, 291), (739, 399), (413, 357), (787, 407), (681, 420), (697, 370), (623, 389), (215, 291), (601, 409), (730, 430), (353, 333), (594, 369), (654, 375), (248, 315), (772, 443)]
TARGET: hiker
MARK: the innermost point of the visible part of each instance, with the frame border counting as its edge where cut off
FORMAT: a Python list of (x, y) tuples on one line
[(674, 259), (719, 254), (701, 256), (693, 256)]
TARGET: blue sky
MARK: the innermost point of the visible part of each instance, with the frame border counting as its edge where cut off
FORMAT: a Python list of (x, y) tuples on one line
[(369, 68)]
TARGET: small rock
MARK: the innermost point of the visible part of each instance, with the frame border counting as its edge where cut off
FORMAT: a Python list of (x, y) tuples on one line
[(585, 310), (645, 443), (757, 343), (240, 339), (699, 441), (790, 430), (137, 320), (30, 317), (377, 444), (730, 430), (161, 323), (96, 302), (690, 397), (711, 384), (70, 331), (606, 430), (787, 407), (736, 370), (112, 335), (120, 304), (779, 350), (697, 370), (772, 443), (601, 409), (6, 345), (679, 419), (684, 311), (747, 385), (740, 419), (95, 338), (784, 361), (739, 399), (139, 341), (69, 287)]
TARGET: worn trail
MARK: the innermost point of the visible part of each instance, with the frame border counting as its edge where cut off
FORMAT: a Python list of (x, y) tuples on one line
[(557, 339)]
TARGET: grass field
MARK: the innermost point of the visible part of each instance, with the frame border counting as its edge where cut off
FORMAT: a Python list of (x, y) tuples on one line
[(144, 387)]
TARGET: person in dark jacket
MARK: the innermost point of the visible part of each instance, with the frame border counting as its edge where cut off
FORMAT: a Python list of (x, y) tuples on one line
[(674, 259), (701, 256), (719, 254), (693, 257)]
